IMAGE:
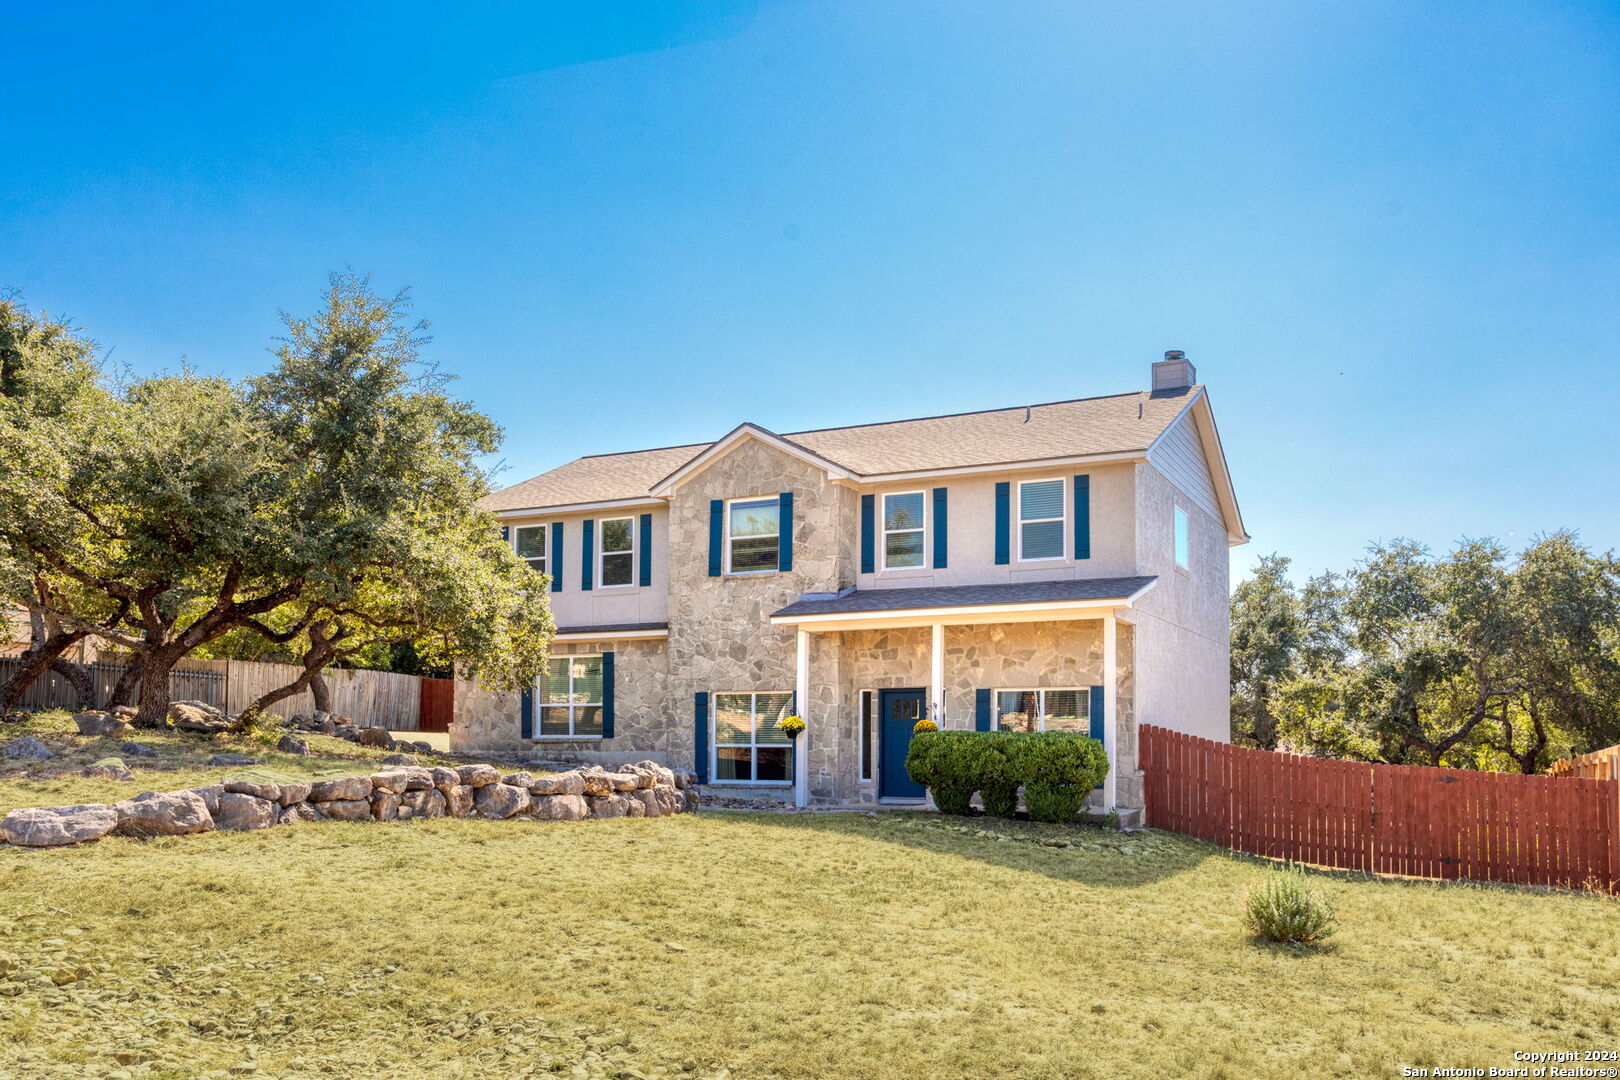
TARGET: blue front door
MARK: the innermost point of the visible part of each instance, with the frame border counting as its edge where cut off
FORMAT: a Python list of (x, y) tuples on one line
[(900, 710)]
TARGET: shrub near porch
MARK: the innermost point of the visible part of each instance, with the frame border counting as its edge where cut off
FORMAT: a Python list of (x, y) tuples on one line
[(899, 945)]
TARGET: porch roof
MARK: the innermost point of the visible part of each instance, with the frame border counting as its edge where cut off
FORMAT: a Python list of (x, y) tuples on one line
[(1024, 597), (614, 630)]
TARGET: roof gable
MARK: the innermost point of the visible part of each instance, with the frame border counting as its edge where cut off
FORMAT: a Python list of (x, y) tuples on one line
[(741, 433)]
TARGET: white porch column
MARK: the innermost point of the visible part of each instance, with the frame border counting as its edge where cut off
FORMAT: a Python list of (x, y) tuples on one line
[(936, 676), (1110, 678), (801, 749)]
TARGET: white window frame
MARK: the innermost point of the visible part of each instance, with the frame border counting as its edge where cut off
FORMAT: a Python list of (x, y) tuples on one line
[(753, 743), (1180, 532), (545, 544), (777, 569), (540, 702), (602, 552), (1062, 519), (884, 531), (866, 738), (1040, 693)]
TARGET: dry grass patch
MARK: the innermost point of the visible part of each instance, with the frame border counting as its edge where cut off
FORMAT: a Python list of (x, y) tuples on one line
[(769, 945)]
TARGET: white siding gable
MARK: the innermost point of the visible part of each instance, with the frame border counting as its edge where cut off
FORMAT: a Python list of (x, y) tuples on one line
[(1179, 455)]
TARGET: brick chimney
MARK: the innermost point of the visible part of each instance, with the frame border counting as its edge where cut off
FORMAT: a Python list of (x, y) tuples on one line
[(1174, 372)]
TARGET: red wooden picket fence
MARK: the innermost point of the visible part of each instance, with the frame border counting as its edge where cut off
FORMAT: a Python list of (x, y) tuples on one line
[(1598, 765), (1389, 819)]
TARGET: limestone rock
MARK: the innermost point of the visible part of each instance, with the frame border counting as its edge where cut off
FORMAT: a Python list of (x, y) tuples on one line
[(232, 759), (345, 809), (296, 813), (28, 748), (108, 768), (346, 788), (240, 813), (633, 806), (563, 783), (500, 800), (690, 795), (197, 716), (135, 749), (669, 801), (661, 776), (53, 826), (647, 799), (399, 759), (684, 778), (598, 781), (478, 775), (170, 813), (402, 779), (518, 779), (559, 808), (444, 778), (269, 792), (458, 800), (607, 806), (124, 712), (424, 804), (385, 805), (376, 737), (98, 724), (292, 744), (210, 796), (294, 792)]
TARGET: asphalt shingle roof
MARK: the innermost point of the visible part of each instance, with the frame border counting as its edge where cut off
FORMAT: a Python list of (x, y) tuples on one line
[(1018, 592), (1100, 425)]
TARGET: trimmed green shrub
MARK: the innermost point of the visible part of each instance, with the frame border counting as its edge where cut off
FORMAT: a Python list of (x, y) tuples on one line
[(1287, 910), (1056, 770)]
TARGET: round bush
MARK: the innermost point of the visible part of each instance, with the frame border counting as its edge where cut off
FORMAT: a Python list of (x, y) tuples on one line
[(1287, 910)]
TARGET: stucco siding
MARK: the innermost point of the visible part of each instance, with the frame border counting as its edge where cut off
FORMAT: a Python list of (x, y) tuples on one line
[(599, 606)]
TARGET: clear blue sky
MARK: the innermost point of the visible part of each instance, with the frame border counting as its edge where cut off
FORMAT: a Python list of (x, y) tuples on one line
[(1387, 233)]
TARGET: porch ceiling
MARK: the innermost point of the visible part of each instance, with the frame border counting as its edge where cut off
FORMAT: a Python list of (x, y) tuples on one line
[(955, 605)]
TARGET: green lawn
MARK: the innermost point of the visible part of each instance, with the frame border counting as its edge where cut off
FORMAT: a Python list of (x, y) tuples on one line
[(824, 946), (179, 762)]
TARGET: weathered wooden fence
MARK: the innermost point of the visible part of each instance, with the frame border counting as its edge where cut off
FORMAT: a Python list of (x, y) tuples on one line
[(1389, 819), (1598, 765), (370, 698)]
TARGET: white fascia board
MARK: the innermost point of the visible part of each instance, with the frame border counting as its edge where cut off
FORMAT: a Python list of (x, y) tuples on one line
[(666, 487), (575, 508), (614, 635), (1039, 611), (1123, 456), (1209, 437)]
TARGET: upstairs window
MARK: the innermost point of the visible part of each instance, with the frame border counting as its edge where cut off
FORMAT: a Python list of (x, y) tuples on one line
[(1040, 519), (618, 551), (1043, 710), (903, 526), (753, 527), (571, 697), (530, 542), (1183, 546)]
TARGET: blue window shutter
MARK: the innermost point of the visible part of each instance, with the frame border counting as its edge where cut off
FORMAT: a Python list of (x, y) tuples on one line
[(1003, 523), (1082, 517), (784, 531), (1097, 713), (506, 535), (526, 727), (700, 735), (587, 553), (717, 521), (646, 549), (868, 533), (981, 710), (607, 695), (556, 556), (939, 528)]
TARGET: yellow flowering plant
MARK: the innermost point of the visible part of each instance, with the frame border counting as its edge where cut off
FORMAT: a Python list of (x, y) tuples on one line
[(792, 726)]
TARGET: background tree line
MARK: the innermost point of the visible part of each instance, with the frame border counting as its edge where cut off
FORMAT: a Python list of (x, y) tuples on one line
[(322, 512), (1476, 659)]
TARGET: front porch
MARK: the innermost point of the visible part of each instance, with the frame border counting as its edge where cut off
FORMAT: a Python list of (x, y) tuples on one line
[(1050, 655)]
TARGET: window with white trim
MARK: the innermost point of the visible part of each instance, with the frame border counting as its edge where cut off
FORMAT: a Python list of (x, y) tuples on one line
[(1043, 710), (749, 744), (753, 530), (904, 522), (618, 556), (529, 541), (1040, 519), (570, 699), (1183, 546)]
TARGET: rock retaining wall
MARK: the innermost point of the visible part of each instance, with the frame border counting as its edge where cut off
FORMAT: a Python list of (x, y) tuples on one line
[(645, 789)]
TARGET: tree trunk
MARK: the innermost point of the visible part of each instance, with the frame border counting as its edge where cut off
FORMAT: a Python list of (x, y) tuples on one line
[(43, 653), (321, 691), (78, 677), (153, 711), (124, 688)]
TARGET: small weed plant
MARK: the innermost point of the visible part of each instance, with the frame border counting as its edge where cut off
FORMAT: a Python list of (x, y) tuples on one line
[(1287, 910)]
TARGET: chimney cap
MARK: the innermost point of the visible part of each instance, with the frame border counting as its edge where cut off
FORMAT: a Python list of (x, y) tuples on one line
[(1174, 354)]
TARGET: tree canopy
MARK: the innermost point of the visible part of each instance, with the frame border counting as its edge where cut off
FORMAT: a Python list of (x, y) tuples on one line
[(331, 499)]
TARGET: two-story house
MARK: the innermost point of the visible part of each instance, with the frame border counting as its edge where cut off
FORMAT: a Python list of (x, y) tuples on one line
[(1047, 567)]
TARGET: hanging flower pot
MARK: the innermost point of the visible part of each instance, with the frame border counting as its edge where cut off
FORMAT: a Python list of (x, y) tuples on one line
[(792, 726)]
